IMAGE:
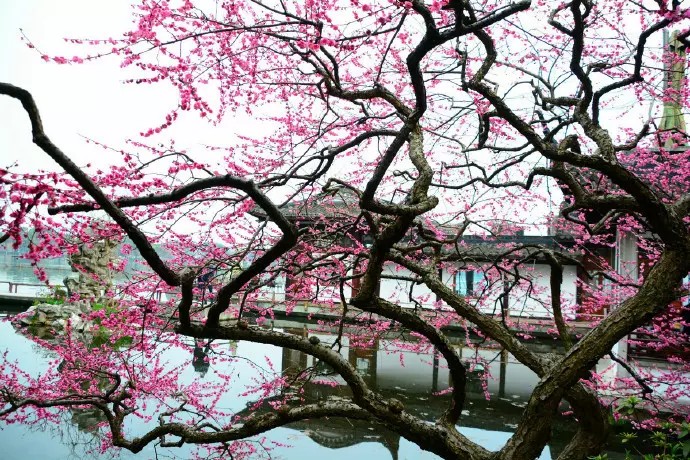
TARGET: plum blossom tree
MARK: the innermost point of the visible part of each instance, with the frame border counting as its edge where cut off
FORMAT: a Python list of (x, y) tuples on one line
[(392, 131)]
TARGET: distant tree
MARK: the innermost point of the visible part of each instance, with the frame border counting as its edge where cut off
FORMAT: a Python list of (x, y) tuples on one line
[(391, 131)]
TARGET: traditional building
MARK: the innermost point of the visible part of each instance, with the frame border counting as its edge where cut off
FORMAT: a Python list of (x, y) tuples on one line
[(329, 220)]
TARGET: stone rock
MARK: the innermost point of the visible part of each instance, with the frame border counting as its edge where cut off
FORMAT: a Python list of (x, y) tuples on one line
[(25, 320), (56, 317), (92, 263), (70, 310), (84, 306)]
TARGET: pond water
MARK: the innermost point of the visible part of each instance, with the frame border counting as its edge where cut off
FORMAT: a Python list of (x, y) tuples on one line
[(14, 269), (415, 379), (489, 422)]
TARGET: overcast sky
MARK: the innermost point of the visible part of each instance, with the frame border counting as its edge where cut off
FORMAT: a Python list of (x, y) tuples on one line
[(88, 99), (73, 100), (82, 100)]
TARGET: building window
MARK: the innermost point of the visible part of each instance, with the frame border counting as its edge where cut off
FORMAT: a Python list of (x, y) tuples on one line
[(468, 282)]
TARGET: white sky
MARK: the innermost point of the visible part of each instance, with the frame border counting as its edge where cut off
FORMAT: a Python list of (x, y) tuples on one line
[(87, 99), (73, 100), (82, 100)]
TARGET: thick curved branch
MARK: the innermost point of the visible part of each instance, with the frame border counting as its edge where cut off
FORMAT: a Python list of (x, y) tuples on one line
[(68, 401), (578, 33), (414, 323), (637, 69), (252, 426), (662, 219), (189, 434), (497, 15), (555, 281), (367, 199), (286, 242), (185, 303), (176, 194), (43, 141), (659, 289), (442, 439), (593, 427), (379, 92)]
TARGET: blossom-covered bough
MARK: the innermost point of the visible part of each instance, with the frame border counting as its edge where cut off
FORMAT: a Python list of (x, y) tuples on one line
[(392, 131)]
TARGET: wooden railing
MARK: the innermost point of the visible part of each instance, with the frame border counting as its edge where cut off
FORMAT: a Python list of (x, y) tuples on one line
[(14, 286)]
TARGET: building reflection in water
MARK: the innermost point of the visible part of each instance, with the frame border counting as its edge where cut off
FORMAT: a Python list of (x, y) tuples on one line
[(200, 360), (419, 381)]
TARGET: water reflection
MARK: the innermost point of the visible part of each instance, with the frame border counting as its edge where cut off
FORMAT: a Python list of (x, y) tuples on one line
[(87, 420), (417, 384), (200, 360), (419, 380)]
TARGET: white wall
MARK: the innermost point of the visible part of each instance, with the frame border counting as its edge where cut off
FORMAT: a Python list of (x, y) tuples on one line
[(525, 300), (535, 300), (397, 291), (530, 299)]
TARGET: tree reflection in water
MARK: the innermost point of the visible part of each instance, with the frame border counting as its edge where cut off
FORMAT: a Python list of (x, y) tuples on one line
[(200, 359), (419, 385)]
